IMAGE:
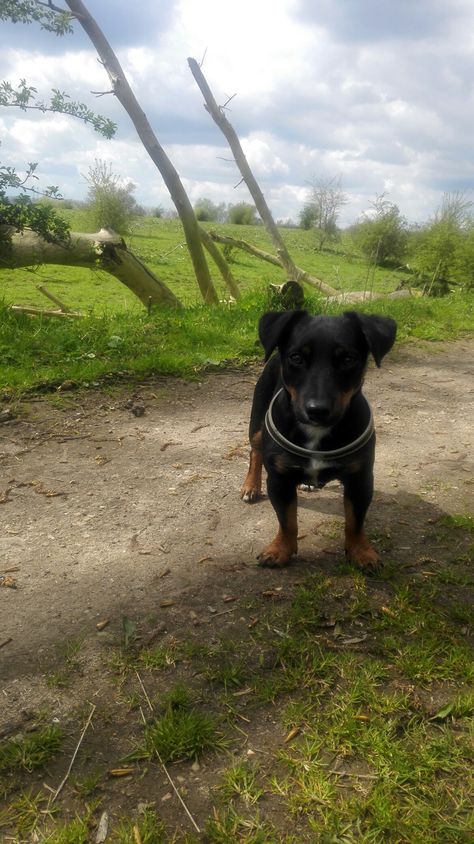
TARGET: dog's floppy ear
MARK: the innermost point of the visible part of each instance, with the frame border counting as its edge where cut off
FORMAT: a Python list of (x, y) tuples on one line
[(275, 326), (379, 332)]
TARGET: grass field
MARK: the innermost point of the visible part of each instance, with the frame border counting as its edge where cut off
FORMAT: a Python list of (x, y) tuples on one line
[(117, 336), (160, 244)]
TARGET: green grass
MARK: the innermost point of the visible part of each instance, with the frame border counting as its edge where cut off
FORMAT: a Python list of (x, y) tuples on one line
[(117, 336), (36, 352), (181, 731), (161, 245), (150, 830), (30, 752)]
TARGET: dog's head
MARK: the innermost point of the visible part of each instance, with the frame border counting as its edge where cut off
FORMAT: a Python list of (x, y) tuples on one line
[(323, 359)]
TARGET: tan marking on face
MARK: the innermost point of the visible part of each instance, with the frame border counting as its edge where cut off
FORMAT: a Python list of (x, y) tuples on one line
[(344, 399)]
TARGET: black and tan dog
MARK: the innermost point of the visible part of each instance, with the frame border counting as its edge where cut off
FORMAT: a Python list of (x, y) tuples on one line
[(310, 422)]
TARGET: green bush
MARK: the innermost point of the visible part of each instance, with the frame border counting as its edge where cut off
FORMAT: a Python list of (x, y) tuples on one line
[(383, 236), (242, 214)]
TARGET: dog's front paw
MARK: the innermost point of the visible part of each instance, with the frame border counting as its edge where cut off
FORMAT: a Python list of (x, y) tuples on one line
[(250, 493), (364, 556), (276, 556)]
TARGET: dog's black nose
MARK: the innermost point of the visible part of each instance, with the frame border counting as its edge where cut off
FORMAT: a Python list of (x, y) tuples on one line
[(317, 411)]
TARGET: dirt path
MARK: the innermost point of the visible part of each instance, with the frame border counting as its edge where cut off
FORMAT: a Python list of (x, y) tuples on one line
[(108, 513)]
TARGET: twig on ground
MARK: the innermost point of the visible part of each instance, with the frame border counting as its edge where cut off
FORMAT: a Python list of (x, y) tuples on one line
[(66, 776), (165, 769)]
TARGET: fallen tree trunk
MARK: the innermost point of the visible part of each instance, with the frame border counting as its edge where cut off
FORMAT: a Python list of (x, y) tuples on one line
[(103, 250), (299, 274)]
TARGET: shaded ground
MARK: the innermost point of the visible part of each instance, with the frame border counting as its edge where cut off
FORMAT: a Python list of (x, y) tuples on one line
[(123, 502)]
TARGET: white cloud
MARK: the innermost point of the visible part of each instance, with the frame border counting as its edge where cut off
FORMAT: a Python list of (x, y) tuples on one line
[(376, 92)]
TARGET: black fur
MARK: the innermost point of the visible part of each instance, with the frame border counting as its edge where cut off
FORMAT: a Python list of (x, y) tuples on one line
[(320, 364)]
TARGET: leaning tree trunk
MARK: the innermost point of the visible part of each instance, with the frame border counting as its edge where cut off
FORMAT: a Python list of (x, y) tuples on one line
[(125, 95), (228, 130), (104, 249)]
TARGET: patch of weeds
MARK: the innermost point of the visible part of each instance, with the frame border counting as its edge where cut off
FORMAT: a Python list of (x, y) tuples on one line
[(25, 813), (309, 785), (463, 705), (158, 658), (411, 611), (195, 650), (458, 521), (449, 577), (309, 602), (301, 710), (77, 831), (86, 785), (126, 657), (462, 613), (147, 829), (241, 781), (382, 539), (30, 752), (180, 732), (129, 633), (228, 826), (70, 651), (431, 657), (305, 661), (58, 680), (360, 603), (225, 666), (299, 663)]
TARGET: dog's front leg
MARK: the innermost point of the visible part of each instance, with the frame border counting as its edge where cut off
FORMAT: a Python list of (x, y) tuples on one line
[(282, 494), (357, 497), (251, 489)]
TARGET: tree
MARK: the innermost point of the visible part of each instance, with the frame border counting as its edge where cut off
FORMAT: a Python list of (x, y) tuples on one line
[(242, 214), (59, 21), (443, 249), (207, 211), (306, 216), (382, 234), (111, 202), (21, 213), (323, 208)]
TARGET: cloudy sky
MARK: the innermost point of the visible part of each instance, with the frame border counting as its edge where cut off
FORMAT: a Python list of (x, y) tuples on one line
[(376, 92)]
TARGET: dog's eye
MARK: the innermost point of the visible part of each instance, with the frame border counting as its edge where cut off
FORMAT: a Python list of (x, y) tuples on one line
[(296, 359), (346, 360)]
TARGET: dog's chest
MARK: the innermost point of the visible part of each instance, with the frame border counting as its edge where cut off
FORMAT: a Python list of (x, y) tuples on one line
[(316, 470)]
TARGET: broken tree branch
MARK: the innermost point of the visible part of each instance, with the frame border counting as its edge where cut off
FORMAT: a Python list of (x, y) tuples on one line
[(230, 134), (299, 274)]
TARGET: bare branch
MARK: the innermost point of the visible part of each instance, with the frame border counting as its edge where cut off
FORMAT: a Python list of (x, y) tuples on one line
[(230, 134)]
